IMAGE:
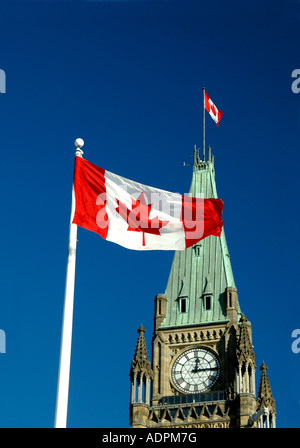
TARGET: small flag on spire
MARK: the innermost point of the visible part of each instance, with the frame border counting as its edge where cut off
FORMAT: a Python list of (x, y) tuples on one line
[(215, 113)]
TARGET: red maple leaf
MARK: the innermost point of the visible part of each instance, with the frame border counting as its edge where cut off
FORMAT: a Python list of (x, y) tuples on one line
[(213, 109), (138, 218)]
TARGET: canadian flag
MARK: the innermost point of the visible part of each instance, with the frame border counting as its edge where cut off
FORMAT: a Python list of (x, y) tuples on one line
[(215, 113), (140, 217)]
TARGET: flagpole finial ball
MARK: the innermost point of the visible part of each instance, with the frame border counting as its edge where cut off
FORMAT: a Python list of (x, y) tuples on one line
[(79, 142)]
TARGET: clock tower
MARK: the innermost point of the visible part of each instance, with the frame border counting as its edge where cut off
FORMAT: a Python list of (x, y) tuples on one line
[(203, 365)]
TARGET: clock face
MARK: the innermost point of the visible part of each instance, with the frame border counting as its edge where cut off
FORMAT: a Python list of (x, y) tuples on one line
[(195, 370)]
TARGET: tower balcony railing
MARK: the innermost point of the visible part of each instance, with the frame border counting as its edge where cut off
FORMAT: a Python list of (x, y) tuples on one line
[(189, 399)]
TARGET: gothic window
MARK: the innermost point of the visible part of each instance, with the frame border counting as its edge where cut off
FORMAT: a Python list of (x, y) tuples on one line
[(183, 304), (208, 303), (198, 250)]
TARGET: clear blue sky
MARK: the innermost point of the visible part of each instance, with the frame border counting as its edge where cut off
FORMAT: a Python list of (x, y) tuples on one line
[(127, 77)]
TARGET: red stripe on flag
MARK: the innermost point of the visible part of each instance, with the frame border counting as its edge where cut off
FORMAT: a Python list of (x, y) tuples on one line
[(90, 197), (194, 212), (207, 105), (220, 113)]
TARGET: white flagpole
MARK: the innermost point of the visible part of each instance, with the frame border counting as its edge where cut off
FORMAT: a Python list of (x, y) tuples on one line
[(66, 335)]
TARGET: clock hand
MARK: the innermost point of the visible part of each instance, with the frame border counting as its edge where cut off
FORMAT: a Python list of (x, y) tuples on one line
[(204, 369), (196, 369)]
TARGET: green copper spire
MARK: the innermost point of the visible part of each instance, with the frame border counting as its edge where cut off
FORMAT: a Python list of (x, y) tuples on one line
[(200, 274)]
